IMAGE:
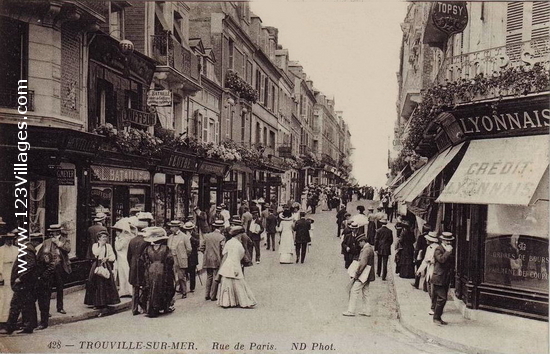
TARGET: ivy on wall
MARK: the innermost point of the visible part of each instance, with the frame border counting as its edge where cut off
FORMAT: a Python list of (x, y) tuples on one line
[(515, 81)]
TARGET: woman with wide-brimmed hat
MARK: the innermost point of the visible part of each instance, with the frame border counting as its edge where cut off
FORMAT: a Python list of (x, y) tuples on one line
[(159, 290), (286, 246), (233, 290), (125, 232), (101, 289), (8, 255)]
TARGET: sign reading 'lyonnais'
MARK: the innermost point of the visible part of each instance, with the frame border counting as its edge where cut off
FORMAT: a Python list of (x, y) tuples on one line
[(487, 124)]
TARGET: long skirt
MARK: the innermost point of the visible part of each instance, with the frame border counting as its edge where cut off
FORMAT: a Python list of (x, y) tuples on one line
[(235, 293), (100, 291)]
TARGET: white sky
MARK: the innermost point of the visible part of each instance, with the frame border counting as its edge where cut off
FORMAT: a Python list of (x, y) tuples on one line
[(350, 49)]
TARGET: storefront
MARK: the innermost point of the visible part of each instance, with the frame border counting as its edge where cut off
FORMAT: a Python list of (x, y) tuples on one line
[(496, 202), (207, 184)]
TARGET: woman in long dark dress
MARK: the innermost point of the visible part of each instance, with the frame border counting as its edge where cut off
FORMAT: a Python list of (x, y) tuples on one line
[(101, 291), (406, 259), (158, 293)]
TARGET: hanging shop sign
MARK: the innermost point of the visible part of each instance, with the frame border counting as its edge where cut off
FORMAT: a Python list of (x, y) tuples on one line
[(179, 161), (449, 16), (159, 98), (210, 168), (116, 174), (65, 176), (138, 117), (285, 151)]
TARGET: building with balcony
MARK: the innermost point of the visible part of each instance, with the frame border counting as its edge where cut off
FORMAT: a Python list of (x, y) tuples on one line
[(484, 111)]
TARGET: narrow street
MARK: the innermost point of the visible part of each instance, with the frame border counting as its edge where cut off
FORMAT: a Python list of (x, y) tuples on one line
[(297, 303)]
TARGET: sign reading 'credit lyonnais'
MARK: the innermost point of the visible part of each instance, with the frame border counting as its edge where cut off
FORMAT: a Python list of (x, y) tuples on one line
[(499, 171)]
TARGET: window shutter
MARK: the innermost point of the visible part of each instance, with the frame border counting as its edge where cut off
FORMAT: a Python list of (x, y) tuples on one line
[(540, 25), (217, 133), (514, 28), (205, 129)]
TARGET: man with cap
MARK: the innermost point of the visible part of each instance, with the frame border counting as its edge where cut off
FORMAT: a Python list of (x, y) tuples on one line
[(136, 276), (201, 219), (302, 236), (382, 245), (255, 230), (212, 246), (349, 246), (93, 231), (340, 218), (246, 217), (218, 216), (22, 284), (179, 244), (58, 247), (366, 261), (442, 274), (419, 251), (48, 259)]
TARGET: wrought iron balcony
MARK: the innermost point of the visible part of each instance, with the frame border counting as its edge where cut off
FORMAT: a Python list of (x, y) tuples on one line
[(179, 62), (8, 99), (494, 60)]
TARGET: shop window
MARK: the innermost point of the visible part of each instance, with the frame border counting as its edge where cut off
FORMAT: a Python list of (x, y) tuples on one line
[(137, 200), (101, 201), (14, 58), (516, 247)]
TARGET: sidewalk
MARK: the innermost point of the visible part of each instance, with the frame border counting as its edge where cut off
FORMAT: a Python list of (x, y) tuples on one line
[(488, 333), (73, 303)]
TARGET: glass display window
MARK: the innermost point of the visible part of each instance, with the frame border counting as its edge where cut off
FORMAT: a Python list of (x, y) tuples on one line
[(516, 247)]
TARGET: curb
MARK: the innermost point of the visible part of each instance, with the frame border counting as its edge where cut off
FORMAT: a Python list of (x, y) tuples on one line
[(123, 306), (428, 337)]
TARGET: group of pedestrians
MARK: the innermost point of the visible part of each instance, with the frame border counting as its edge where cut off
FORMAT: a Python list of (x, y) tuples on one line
[(433, 260), (367, 237), (28, 280)]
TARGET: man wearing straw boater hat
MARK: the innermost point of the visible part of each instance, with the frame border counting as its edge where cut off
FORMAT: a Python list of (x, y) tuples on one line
[(442, 274), (179, 244), (212, 246), (22, 284)]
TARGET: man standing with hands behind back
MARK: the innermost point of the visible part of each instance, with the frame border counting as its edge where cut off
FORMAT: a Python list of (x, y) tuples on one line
[(441, 277)]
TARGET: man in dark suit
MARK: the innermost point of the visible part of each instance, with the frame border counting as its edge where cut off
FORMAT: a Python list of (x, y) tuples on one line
[(137, 274), (340, 218), (382, 245), (63, 268), (366, 258), (22, 284), (302, 237), (270, 229), (441, 277)]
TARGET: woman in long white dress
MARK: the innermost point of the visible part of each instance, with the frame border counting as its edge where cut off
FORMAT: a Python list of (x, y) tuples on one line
[(286, 248), (233, 290), (125, 231), (8, 255)]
